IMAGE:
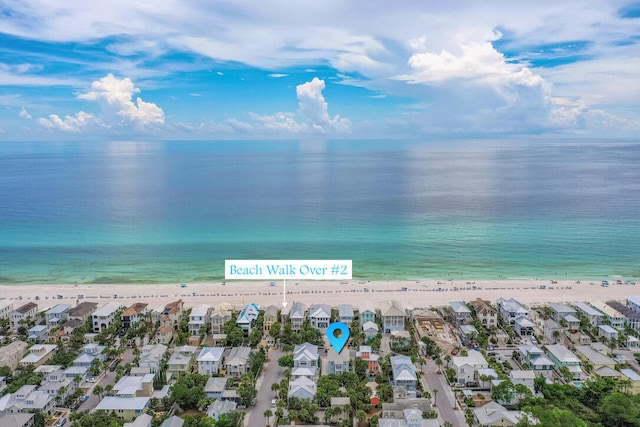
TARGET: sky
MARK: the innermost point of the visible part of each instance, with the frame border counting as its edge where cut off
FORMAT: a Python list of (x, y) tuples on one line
[(333, 69)]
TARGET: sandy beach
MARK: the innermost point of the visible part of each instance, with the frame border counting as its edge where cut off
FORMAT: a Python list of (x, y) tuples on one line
[(417, 293)]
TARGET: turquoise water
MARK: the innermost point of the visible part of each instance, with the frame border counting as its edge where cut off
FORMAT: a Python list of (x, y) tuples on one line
[(107, 212)]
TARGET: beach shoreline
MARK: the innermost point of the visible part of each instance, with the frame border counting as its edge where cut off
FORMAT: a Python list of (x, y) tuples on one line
[(413, 294)]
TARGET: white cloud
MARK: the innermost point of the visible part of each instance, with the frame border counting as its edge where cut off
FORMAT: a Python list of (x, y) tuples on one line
[(81, 121), (314, 108), (24, 114), (116, 95), (278, 75)]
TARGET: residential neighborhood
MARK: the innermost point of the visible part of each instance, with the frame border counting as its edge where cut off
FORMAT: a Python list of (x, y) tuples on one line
[(467, 363)]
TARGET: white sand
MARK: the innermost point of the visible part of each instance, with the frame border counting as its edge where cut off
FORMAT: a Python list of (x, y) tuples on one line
[(421, 293)]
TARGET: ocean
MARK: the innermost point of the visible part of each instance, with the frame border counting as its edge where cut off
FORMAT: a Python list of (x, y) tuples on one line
[(151, 212)]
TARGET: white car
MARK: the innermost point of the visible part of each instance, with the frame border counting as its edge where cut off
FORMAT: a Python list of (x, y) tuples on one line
[(534, 340)]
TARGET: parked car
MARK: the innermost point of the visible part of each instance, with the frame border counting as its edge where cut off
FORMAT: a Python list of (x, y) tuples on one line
[(84, 398)]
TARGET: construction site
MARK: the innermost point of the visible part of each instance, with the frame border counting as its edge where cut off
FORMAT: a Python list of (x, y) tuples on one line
[(429, 323)]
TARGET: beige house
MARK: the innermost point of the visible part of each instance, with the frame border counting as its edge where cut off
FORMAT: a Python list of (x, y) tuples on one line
[(11, 354), (39, 354), (270, 317)]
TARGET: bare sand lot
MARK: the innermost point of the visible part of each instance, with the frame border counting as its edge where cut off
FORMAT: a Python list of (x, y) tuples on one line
[(417, 293)]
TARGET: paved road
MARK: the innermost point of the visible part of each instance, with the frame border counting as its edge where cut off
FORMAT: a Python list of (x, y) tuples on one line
[(92, 402), (445, 400), (270, 374)]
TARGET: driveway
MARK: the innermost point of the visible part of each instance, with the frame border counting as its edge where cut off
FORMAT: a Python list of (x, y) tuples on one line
[(271, 373)]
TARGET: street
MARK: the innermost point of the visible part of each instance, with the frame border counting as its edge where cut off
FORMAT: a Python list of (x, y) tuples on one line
[(271, 373), (444, 398)]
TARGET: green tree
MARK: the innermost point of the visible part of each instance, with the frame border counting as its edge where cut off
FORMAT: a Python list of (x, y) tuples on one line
[(618, 409), (188, 391), (267, 414), (247, 389)]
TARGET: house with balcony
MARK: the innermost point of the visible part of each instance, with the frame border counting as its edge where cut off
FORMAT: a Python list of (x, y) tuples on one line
[(611, 316), (345, 313), (373, 364), (493, 414), (90, 352), (210, 360), (460, 313), (198, 318), (82, 311), (6, 307), (526, 378), (151, 357), (27, 399), (125, 408), (38, 355), (404, 375), (164, 334), (533, 357), (562, 356), (55, 383), (104, 316), (297, 316), (594, 316), (220, 315), (237, 363), (631, 318), (138, 386), (182, 360), (305, 361), (338, 363), (393, 316), (552, 330), (407, 413), (370, 330), (38, 334), (594, 357), (467, 366), (366, 311), (511, 310), (248, 317), (23, 313), (57, 314), (524, 327), (485, 312), (320, 316), (270, 317), (608, 332), (558, 311), (11, 354), (134, 314), (171, 314), (302, 388)]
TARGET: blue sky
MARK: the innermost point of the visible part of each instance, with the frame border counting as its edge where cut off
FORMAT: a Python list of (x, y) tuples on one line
[(294, 69)]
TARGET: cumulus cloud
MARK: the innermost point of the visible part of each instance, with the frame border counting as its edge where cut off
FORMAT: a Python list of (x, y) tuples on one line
[(312, 106), (116, 96), (24, 114), (77, 123)]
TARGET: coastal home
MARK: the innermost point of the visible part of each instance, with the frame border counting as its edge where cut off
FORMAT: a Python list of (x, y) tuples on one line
[(561, 356), (611, 316), (151, 356), (302, 388), (337, 363), (143, 420), (172, 313), (38, 334), (404, 375), (125, 408), (466, 366), (366, 311), (537, 360), (558, 311), (484, 376), (236, 364), (104, 316), (393, 316), (373, 364), (607, 372), (17, 420), (57, 314), (634, 378), (90, 352), (305, 361), (248, 317), (23, 313), (71, 325), (11, 354), (345, 313), (493, 414), (511, 310), (320, 316), (407, 413), (6, 307), (134, 314), (526, 378), (633, 303), (215, 387), (220, 315), (198, 318), (270, 317), (608, 332), (594, 357), (164, 334), (632, 318), (55, 383), (209, 360), (221, 407), (297, 316), (469, 334), (28, 399), (82, 311), (460, 313), (552, 330), (485, 312), (595, 317), (572, 322), (38, 355), (523, 327), (182, 360), (130, 386), (370, 330)]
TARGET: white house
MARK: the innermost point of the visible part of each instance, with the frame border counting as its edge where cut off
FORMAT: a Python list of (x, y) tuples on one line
[(151, 356), (220, 315), (594, 316), (104, 316), (297, 316), (345, 313), (302, 388), (6, 307), (370, 330), (393, 316), (612, 316), (511, 310), (466, 366), (404, 374), (559, 311), (526, 378), (209, 360), (305, 361), (22, 313), (460, 312), (320, 316), (199, 317)]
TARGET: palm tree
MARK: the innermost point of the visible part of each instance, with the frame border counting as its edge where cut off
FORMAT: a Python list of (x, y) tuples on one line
[(435, 396), (439, 363), (97, 391), (361, 415), (268, 413), (328, 414), (275, 387), (108, 389)]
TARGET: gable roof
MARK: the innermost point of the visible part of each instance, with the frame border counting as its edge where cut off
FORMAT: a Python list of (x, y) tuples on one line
[(391, 308), (210, 354), (366, 306), (319, 311)]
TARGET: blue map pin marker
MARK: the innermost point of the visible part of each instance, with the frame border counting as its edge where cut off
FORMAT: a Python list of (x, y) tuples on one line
[(338, 342)]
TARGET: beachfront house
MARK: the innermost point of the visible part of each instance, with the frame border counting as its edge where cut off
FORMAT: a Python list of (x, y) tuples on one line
[(132, 315), (404, 376), (467, 366), (558, 311), (270, 317), (633, 303), (631, 318), (104, 316), (297, 316), (209, 360), (236, 364), (595, 317), (11, 354), (172, 313), (366, 311), (511, 310), (460, 313), (6, 307), (248, 317), (57, 314), (611, 316), (198, 318), (393, 316), (82, 311), (22, 314), (485, 312), (220, 315), (320, 316), (562, 356), (345, 313)]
